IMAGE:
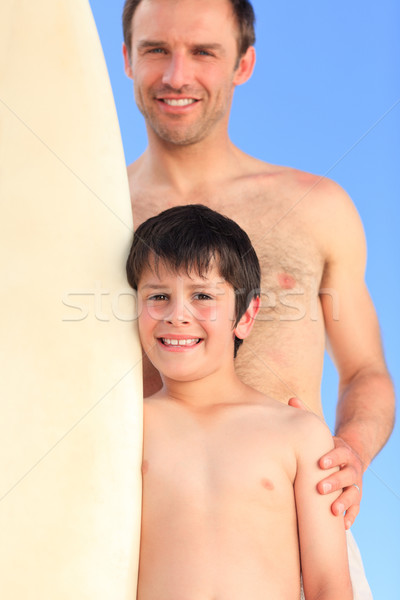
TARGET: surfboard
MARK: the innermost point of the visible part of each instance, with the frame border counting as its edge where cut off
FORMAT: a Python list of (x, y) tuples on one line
[(71, 400)]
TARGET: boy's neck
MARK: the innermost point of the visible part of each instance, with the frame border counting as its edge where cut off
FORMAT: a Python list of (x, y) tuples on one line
[(206, 393)]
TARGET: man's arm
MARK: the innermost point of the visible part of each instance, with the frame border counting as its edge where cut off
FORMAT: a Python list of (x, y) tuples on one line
[(365, 411), (151, 377), (322, 539)]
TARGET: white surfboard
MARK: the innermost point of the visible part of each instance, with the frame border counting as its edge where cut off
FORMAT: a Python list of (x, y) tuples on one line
[(70, 405)]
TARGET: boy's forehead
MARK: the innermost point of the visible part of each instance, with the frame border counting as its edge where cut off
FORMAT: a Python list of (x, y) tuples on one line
[(158, 271)]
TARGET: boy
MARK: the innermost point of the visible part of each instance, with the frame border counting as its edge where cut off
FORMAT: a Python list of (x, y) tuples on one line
[(230, 506)]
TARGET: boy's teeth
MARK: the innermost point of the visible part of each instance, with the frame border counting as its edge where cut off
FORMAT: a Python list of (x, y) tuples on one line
[(174, 342), (179, 102)]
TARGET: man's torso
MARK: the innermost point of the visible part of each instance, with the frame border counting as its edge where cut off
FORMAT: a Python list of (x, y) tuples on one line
[(283, 357)]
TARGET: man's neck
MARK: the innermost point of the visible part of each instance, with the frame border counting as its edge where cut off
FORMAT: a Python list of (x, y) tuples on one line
[(183, 168)]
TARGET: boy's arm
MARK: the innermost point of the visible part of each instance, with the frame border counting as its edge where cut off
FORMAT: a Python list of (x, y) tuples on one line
[(322, 538)]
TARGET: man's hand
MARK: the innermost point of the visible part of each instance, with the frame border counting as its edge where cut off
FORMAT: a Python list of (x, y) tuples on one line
[(348, 478)]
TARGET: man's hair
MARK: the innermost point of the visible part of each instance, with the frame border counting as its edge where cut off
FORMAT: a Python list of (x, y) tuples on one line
[(242, 10), (192, 238)]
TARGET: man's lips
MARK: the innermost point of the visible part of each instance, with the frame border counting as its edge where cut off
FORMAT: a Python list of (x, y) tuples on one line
[(178, 101)]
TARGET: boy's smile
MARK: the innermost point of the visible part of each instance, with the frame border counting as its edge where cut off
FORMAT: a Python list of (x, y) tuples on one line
[(186, 315), (177, 344)]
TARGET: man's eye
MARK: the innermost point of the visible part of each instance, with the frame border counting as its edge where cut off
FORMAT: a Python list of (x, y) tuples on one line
[(203, 52), (156, 51)]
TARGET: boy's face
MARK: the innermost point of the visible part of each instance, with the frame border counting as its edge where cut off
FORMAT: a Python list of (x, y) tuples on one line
[(183, 64), (186, 323)]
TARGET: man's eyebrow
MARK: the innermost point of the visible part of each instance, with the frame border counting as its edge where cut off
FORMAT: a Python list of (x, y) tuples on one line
[(150, 43), (209, 46), (143, 44)]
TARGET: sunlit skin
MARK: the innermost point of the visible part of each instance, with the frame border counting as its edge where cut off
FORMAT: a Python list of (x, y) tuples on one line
[(305, 229), (183, 82), (186, 323), (225, 469)]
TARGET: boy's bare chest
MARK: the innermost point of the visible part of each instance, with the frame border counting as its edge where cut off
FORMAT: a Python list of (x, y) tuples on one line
[(233, 464)]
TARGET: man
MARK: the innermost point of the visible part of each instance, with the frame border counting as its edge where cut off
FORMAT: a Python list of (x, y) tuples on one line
[(186, 57)]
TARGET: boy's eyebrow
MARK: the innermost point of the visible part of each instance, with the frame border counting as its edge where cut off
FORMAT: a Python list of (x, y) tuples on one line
[(200, 283), (153, 286)]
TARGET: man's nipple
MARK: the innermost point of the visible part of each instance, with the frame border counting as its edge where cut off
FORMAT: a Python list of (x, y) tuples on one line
[(286, 281), (145, 467)]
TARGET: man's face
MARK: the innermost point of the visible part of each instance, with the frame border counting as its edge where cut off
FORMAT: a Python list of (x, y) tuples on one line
[(183, 59)]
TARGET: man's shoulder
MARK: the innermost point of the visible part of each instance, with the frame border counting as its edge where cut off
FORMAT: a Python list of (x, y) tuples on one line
[(289, 178)]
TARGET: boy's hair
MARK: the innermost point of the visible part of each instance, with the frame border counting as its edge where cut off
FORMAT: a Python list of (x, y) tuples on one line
[(190, 238), (242, 10)]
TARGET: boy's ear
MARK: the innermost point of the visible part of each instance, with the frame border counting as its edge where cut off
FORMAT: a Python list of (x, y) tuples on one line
[(127, 62), (245, 67), (246, 322)]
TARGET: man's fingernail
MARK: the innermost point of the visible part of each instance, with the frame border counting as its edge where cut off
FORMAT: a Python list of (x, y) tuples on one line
[(347, 524), (326, 488), (340, 509), (327, 463)]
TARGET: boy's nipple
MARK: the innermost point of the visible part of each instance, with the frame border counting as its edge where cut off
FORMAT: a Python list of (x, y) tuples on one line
[(267, 484)]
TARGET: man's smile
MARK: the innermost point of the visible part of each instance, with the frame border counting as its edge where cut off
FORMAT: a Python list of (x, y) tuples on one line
[(178, 101)]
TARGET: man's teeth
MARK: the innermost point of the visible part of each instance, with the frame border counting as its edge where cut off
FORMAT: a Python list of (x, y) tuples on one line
[(183, 342), (179, 102)]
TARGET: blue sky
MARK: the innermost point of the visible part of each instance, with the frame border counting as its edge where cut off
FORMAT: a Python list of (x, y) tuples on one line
[(324, 97)]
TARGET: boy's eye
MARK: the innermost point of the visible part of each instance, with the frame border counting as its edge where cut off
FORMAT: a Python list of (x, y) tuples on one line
[(201, 296), (158, 297)]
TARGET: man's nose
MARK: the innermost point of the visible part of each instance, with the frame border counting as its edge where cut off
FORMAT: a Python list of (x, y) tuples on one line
[(177, 73)]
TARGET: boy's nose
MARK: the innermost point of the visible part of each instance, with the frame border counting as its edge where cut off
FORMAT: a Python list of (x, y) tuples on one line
[(177, 72), (179, 314)]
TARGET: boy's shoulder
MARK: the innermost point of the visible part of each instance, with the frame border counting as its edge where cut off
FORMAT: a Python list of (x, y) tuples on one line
[(305, 427)]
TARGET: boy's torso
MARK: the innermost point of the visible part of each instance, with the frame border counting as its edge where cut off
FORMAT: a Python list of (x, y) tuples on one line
[(219, 517)]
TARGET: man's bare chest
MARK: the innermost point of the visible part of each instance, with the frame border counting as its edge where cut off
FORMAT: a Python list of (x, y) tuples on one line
[(278, 224)]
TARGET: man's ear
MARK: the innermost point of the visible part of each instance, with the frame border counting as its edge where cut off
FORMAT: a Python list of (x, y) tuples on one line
[(127, 62), (246, 322), (245, 67)]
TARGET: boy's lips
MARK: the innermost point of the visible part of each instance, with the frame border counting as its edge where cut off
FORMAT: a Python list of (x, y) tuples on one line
[(179, 342)]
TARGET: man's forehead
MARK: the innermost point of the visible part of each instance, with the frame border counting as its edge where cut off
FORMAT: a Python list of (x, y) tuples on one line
[(157, 15)]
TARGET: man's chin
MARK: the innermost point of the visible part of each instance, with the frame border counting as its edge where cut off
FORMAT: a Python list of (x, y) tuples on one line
[(179, 138)]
